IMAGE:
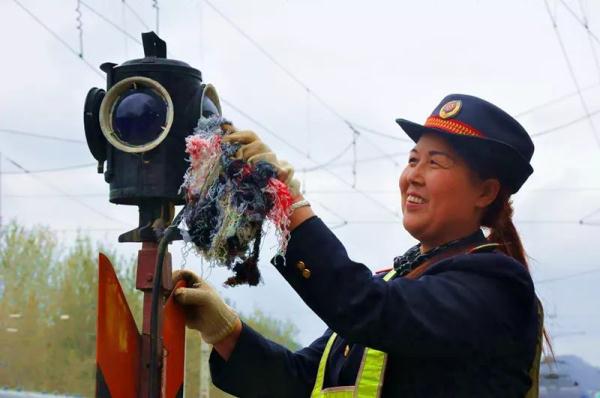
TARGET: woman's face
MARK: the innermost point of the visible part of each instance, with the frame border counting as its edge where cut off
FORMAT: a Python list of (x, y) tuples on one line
[(442, 200)]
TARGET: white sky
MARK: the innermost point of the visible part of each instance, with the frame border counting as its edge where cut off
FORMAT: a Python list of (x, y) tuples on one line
[(372, 64)]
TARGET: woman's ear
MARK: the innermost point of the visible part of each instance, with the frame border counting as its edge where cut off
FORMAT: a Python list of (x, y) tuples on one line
[(489, 191)]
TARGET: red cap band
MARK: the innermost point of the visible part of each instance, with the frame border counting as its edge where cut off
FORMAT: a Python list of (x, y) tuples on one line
[(452, 126)]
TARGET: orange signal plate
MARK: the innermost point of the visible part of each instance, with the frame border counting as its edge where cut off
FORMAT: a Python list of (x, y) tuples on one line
[(117, 338)]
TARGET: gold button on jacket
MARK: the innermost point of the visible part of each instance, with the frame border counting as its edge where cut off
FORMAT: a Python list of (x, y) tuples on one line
[(306, 273)]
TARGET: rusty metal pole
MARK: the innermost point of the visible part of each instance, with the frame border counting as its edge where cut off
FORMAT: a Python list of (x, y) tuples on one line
[(144, 279)]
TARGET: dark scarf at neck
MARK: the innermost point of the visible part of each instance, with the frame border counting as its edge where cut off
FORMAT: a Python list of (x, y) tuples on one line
[(413, 256)]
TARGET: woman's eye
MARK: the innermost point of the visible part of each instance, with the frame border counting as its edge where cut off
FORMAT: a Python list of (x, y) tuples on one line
[(412, 160)]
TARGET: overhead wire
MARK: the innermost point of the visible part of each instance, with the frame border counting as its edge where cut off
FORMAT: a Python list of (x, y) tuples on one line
[(110, 22), (155, 6), (46, 196), (355, 135), (135, 14), (566, 124), (336, 176), (569, 276), (60, 39), (52, 170), (581, 21), (267, 130), (79, 27), (567, 189), (593, 213), (570, 68), (555, 100), (330, 161), (589, 36), (66, 194), (286, 71), (343, 220), (85, 229), (124, 24), (384, 135), (359, 160), (41, 136)]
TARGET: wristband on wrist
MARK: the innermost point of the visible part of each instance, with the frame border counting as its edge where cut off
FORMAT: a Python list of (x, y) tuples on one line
[(300, 203)]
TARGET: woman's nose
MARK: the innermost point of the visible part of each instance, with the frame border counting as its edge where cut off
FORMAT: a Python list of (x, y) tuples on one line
[(415, 174)]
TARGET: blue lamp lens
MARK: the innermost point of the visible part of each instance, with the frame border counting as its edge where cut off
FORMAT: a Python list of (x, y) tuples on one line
[(209, 108), (139, 116)]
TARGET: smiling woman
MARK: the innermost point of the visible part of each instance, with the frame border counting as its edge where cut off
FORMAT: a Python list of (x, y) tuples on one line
[(456, 316)]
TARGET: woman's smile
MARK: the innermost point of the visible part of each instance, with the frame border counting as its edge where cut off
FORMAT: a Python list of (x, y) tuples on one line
[(414, 202)]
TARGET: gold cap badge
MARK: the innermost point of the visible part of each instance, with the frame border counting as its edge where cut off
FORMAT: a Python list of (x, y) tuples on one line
[(450, 109)]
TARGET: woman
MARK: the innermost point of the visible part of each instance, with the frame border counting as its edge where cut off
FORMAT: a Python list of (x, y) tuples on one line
[(457, 315)]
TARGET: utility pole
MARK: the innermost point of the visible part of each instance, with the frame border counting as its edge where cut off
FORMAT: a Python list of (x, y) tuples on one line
[(204, 370)]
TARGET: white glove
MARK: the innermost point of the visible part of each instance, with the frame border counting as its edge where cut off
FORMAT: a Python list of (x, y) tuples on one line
[(253, 150), (204, 309)]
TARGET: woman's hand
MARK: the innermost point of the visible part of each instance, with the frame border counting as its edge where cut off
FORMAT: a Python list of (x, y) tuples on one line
[(204, 309), (253, 150)]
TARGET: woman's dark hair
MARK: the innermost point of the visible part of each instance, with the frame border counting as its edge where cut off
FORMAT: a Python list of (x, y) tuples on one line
[(486, 161)]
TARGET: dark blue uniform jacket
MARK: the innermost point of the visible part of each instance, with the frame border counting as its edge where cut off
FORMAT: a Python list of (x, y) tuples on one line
[(466, 328)]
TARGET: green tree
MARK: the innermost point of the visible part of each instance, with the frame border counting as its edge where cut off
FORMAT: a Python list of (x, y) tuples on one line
[(49, 305)]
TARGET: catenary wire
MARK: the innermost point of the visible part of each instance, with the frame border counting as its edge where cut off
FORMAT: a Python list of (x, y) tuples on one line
[(569, 276), (588, 115), (136, 14), (336, 176), (555, 100), (66, 194), (328, 209), (571, 70), (330, 161), (79, 27), (591, 214), (360, 160), (41, 136), (52, 170), (110, 22), (377, 133), (589, 36), (574, 15), (289, 73), (60, 39), (157, 8), (360, 127), (56, 195)]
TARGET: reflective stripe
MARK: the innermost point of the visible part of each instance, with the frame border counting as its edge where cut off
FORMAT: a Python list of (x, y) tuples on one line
[(369, 379), (389, 275), (371, 374)]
